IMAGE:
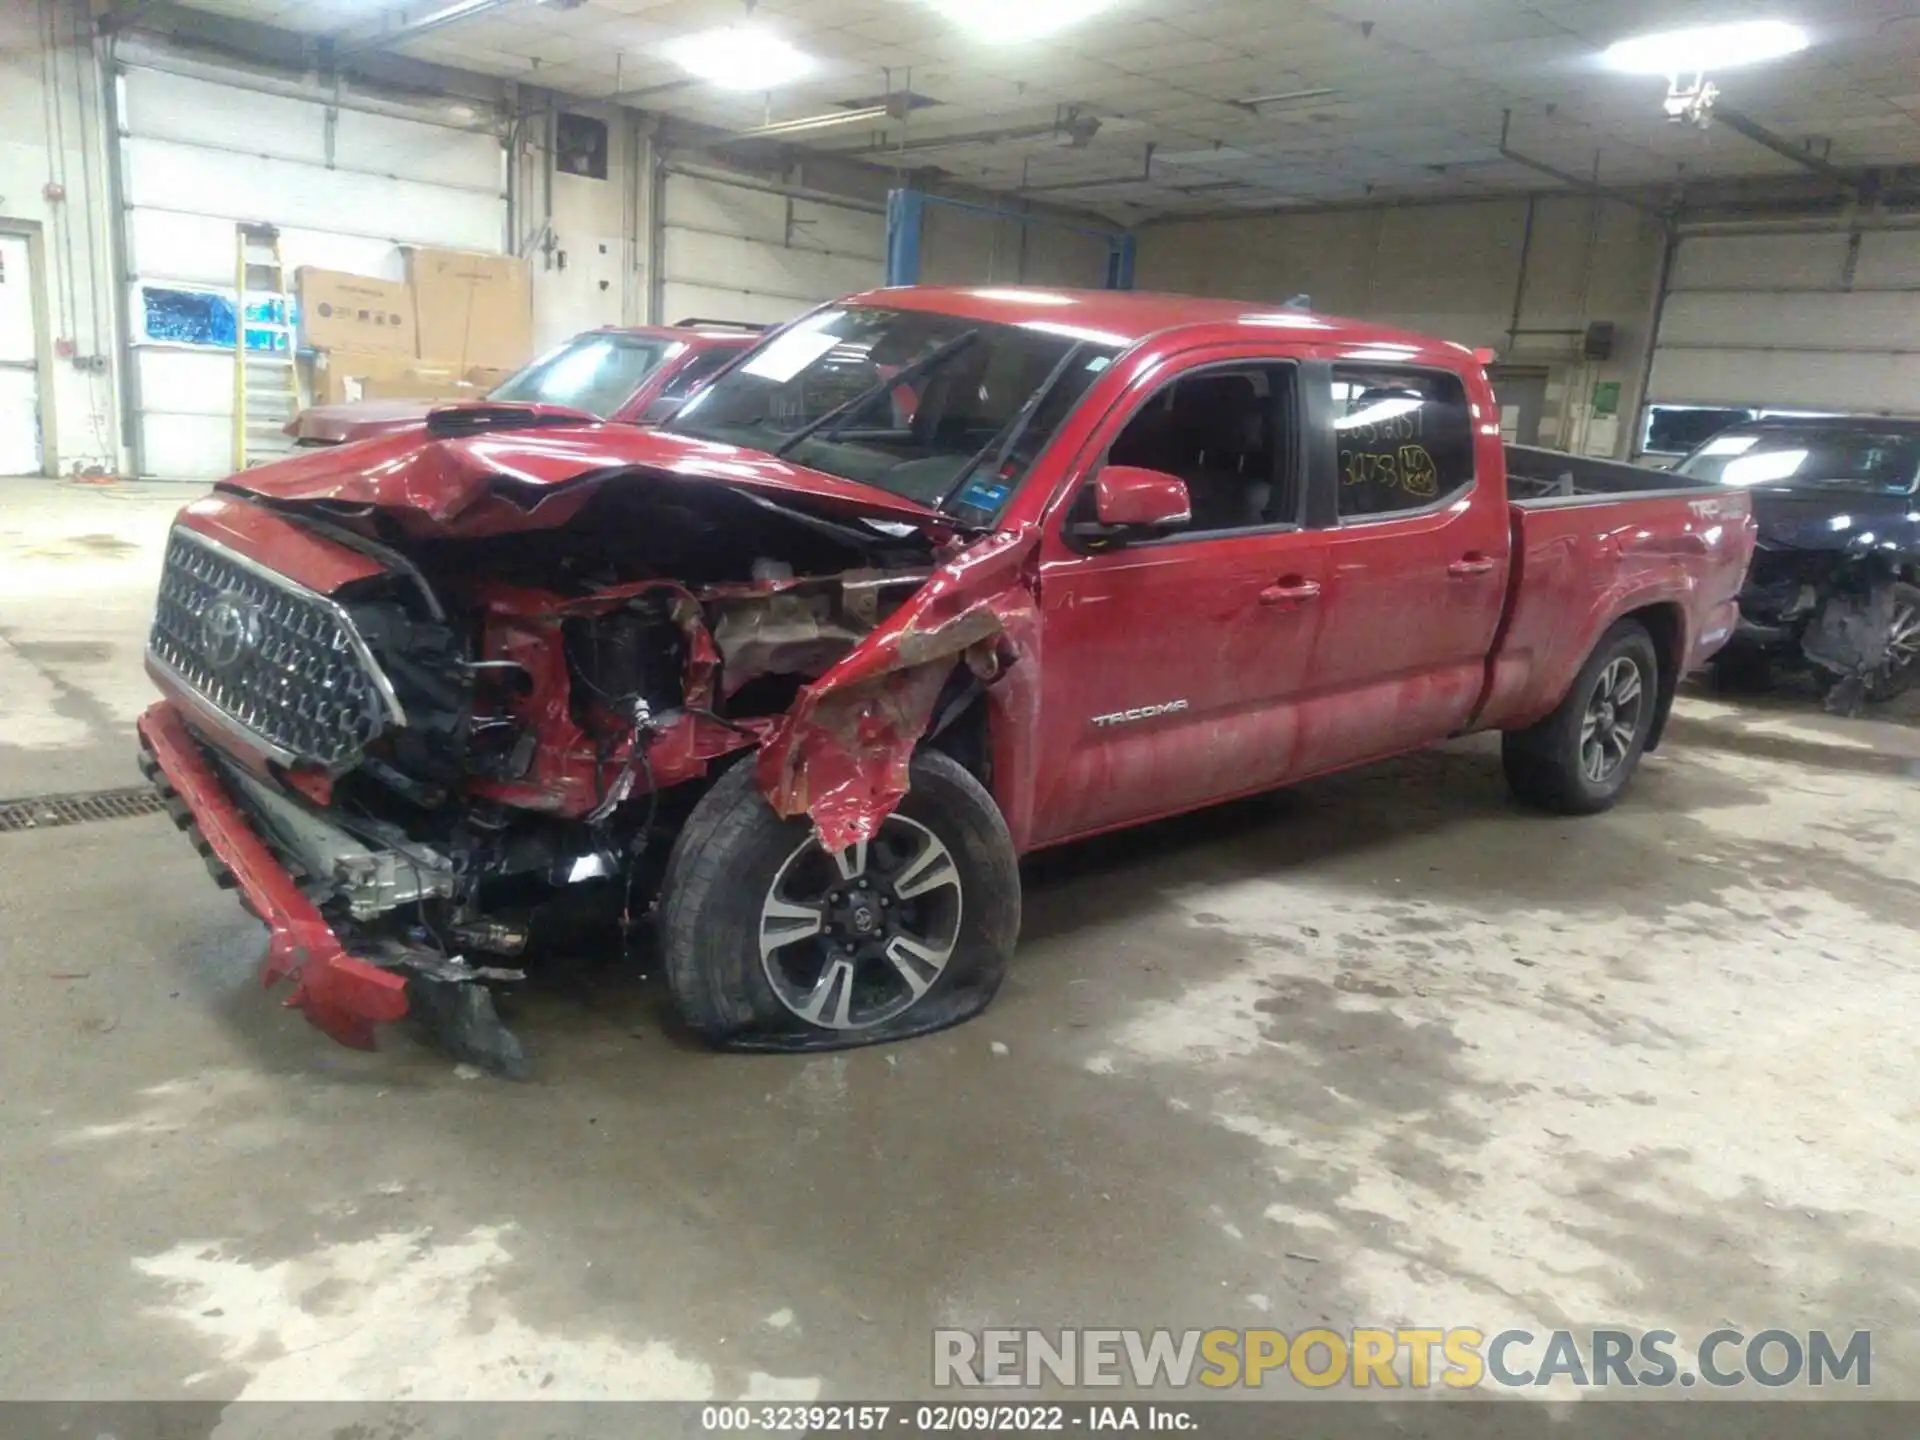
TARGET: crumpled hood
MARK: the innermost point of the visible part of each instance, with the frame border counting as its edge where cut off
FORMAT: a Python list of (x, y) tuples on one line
[(1836, 520), (464, 483)]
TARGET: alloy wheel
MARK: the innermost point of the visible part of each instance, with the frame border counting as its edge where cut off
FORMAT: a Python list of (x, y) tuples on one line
[(1612, 721), (851, 940)]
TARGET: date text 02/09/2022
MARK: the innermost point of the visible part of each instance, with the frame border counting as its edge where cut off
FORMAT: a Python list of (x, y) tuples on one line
[(941, 1419)]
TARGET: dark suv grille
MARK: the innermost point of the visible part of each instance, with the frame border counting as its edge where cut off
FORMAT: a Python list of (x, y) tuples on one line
[(279, 661)]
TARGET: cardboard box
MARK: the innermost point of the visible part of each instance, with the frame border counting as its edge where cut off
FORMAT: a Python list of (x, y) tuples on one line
[(427, 383), (344, 376), (471, 309), (355, 312)]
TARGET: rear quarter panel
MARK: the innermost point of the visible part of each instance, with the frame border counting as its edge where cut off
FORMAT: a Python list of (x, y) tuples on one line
[(1580, 565)]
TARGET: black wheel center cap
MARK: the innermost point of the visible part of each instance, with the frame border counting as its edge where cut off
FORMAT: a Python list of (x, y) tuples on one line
[(1606, 714), (862, 920)]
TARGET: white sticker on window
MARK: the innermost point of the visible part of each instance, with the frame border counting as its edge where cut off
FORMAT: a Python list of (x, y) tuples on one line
[(782, 359)]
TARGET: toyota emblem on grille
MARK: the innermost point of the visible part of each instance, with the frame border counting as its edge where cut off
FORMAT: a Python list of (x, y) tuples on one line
[(229, 630)]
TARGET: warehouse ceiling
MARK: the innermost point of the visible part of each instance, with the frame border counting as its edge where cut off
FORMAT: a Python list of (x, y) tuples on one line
[(1210, 105)]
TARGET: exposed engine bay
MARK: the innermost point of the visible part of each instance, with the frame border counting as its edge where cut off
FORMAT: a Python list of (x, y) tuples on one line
[(550, 703)]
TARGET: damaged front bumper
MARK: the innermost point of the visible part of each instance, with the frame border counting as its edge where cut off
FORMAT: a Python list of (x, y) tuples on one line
[(343, 994)]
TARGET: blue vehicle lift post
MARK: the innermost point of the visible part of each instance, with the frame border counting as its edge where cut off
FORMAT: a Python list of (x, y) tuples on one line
[(906, 214)]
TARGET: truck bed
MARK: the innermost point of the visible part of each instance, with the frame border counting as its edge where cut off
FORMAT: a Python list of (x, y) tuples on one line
[(1539, 478), (1596, 539)]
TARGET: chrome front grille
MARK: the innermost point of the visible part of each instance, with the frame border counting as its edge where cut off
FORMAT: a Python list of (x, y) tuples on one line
[(275, 659)]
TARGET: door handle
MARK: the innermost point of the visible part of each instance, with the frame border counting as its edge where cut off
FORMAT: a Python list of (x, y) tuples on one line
[(1290, 591), (1472, 563)]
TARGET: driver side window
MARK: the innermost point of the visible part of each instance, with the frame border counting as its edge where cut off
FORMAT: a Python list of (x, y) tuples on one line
[(1228, 431)]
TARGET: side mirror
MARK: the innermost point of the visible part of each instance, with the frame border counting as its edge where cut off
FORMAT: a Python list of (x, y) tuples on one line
[(1130, 501), (1132, 497)]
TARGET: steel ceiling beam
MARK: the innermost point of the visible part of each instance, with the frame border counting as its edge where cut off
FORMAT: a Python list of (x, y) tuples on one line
[(1567, 178), (1742, 124)]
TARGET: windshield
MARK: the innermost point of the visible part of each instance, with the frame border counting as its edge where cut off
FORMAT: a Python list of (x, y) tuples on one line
[(945, 411), (1808, 458), (597, 373)]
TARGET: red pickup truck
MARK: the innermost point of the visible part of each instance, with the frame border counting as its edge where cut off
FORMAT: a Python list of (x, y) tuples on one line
[(930, 579)]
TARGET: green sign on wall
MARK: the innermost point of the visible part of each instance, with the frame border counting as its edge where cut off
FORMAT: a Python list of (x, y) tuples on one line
[(1606, 397)]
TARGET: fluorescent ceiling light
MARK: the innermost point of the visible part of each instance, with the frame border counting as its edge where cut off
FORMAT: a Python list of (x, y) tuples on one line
[(737, 57), (806, 123), (999, 21), (1709, 47)]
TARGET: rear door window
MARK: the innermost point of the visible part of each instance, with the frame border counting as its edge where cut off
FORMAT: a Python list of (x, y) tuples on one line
[(1403, 437)]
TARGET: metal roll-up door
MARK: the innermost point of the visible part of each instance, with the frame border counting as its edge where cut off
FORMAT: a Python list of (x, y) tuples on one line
[(730, 252), (1825, 319), (344, 187)]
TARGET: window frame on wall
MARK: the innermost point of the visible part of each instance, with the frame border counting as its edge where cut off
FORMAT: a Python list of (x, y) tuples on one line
[(1389, 368)]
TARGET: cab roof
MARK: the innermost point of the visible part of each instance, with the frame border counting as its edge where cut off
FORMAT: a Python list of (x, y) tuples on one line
[(1122, 317)]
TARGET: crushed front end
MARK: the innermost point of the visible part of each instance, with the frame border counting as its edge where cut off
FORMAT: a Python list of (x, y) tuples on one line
[(1851, 613), (432, 751)]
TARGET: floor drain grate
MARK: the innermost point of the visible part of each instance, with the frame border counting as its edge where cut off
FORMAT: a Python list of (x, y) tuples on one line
[(44, 811)]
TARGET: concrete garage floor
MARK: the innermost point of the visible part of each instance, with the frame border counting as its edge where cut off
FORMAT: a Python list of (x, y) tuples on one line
[(1381, 1050)]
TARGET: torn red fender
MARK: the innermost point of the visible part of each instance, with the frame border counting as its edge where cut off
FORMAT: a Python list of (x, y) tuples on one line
[(341, 994), (840, 755)]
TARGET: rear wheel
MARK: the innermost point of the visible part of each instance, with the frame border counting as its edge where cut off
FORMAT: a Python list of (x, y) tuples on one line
[(772, 942), (1579, 759)]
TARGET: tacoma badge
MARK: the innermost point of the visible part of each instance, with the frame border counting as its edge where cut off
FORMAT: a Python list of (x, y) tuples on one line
[(1143, 712)]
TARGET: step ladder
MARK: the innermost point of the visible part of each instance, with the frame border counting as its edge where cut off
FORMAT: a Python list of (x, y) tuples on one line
[(266, 388)]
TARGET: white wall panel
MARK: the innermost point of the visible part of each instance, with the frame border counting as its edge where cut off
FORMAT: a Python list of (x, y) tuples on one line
[(1829, 381), (179, 381), (1759, 262), (343, 191), (390, 146), (1889, 259), (166, 175), (1791, 320), (729, 253), (1794, 321), (165, 245)]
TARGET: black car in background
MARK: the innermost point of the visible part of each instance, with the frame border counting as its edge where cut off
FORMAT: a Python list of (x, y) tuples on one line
[(1835, 581)]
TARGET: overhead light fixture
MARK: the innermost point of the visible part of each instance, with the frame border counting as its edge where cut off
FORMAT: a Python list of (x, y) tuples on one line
[(1685, 56), (739, 57), (1706, 47), (1009, 21), (832, 118)]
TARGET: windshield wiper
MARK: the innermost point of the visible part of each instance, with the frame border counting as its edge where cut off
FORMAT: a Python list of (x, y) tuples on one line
[(880, 387), (1013, 431)]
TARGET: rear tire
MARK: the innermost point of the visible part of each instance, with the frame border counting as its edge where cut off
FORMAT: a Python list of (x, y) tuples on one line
[(1579, 759), (770, 943)]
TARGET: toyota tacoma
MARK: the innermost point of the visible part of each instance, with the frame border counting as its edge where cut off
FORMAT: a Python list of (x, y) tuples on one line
[(779, 693)]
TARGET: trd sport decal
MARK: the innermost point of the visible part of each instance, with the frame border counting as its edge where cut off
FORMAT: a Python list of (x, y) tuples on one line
[(1144, 712)]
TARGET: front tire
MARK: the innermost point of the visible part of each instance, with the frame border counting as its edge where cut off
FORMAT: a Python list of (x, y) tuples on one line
[(1579, 759), (1902, 668), (772, 943)]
